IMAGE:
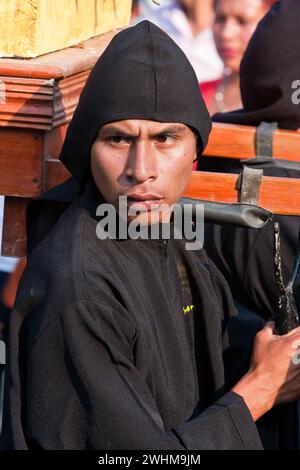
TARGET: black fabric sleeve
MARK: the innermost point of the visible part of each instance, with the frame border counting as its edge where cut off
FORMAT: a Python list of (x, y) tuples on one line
[(121, 412)]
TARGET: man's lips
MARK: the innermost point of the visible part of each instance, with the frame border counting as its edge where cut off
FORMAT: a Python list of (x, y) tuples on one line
[(144, 202), (143, 197)]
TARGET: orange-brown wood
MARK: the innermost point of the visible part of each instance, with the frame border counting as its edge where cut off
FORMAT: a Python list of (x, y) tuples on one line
[(53, 142), (60, 64), (30, 167), (39, 103), (55, 173), (14, 227), (9, 290), (278, 195), (233, 141), (21, 162)]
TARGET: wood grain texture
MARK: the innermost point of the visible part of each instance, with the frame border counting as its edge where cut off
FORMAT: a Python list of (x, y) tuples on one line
[(30, 167), (278, 195), (233, 141), (9, 290), (55, 173), (38, 103), (43, 94), (34, 27), (14, 227), (60, 64), (21, 154)]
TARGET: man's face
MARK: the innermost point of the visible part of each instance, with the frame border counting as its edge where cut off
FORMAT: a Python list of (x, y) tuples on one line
[(149, 162)]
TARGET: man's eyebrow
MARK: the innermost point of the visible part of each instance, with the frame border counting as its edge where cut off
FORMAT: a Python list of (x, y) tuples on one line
[(169, 129), (114, 129)]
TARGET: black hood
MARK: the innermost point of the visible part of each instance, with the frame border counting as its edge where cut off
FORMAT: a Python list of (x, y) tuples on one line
[(269, 67), (142, 74)]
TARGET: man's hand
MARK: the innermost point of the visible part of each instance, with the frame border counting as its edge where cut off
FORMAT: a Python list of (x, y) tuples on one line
[(274, 374)]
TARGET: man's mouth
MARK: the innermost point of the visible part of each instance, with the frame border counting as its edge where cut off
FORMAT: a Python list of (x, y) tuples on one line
[(144, 202)]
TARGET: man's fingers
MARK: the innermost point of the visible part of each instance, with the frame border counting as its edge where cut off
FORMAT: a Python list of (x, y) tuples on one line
[(270, 330)]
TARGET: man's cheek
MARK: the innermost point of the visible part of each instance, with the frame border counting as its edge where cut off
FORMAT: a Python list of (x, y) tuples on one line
[(183, 177)]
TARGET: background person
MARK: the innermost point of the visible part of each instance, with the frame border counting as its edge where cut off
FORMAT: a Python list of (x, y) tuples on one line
[(234, 23)]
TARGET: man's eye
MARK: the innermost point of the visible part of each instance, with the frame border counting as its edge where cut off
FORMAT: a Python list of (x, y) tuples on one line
[(119, 139), (164, 139)]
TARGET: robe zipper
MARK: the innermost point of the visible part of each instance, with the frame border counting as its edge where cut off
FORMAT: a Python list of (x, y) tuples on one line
[(166, 248)]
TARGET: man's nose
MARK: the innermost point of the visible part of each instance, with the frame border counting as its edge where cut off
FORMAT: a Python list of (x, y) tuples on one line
[(141, 164)]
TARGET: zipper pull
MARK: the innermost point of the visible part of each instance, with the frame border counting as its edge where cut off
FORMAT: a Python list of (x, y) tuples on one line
[(166, 247)]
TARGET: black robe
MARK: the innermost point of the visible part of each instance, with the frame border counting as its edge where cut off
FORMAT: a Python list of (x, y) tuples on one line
[(124, 344)]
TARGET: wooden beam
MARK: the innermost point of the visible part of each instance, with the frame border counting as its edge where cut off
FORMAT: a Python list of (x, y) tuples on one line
[(39, 103), (59, 64), (278, 195), (14, 227), (233, 141), (21, 162), (43, 94), (55, 174)]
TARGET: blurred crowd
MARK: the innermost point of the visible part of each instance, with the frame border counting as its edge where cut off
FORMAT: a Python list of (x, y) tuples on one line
[(214, 35)]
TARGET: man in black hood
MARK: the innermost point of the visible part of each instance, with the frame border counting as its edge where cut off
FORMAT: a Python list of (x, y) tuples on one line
[(124, 343)]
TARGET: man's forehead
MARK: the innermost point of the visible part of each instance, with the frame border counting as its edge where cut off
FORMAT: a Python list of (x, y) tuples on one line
[(138, 125)]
